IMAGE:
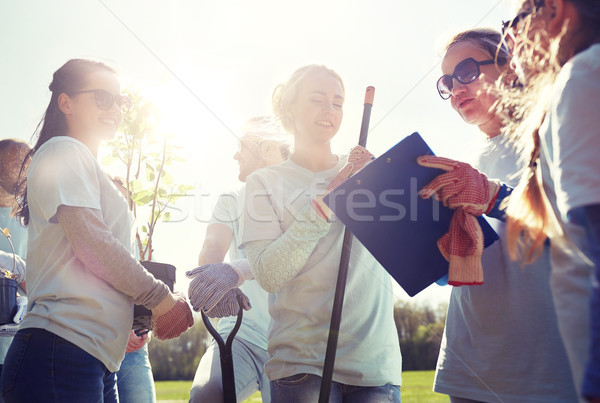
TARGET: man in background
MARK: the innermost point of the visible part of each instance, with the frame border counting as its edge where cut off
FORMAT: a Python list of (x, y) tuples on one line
[(262, 144)]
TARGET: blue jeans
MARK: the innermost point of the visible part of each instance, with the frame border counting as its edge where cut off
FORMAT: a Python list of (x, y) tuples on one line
[(302, 388), (134, 378), (248, 368), (43, 367)]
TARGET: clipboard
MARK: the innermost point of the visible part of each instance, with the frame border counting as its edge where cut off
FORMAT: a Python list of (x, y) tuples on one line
[(381, 206)]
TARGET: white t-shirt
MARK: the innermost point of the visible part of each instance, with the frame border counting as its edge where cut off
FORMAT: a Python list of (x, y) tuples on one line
[(65, 297), (501, 341), (368, 352), (570, 169), (255, 322)]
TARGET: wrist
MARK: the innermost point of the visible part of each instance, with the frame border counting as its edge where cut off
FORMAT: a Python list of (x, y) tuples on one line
[(497, 210), (495, 188), (321, 208), (242, 268), (165, 305), (492, 203)]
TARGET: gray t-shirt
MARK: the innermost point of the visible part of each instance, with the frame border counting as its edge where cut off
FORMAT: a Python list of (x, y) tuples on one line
[(65, 297), (501, 340), (570, 170), (255, 322)]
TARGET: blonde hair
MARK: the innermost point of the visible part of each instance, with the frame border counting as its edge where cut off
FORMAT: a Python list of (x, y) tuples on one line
[(285, 94), (267, 128), (523, 109)]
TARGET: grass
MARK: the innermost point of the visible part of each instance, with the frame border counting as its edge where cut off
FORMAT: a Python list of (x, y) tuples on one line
[(416, 388)]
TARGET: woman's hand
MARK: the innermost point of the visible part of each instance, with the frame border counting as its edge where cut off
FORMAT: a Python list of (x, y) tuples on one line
[(357, 159), (471, 194), (462, 186), (210, 283), (229, 305), (136, 342), (171, 317)]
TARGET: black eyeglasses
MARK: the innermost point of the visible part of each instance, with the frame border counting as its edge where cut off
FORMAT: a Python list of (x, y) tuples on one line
[(465, 72), (105, 100), (510, 24)]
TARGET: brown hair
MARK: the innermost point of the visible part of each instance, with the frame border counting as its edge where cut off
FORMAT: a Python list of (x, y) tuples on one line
[(69, 78), (487, 39), (12, 154)]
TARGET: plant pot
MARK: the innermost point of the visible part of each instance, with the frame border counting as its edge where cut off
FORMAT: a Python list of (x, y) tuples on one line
[(8, 300), (142, 316)]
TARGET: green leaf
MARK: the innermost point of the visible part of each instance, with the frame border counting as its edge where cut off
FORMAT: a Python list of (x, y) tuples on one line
[(167, 217), (109, 159), (162, 192), (136, 185), (177, 158), (183, 189), (166, 178), (144, 229), (143, 197)]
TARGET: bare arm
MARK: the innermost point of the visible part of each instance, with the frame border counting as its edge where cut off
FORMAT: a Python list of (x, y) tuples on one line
[(103, 255), (216, 243)]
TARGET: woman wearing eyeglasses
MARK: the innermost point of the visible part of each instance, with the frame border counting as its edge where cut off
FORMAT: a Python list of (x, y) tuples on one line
[(82, 279), (501, 341), (557, 44)]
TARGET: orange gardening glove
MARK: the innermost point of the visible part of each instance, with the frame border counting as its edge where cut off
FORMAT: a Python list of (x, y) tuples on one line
[(471, 194), (171, 317), (136, 342), (357, 159)]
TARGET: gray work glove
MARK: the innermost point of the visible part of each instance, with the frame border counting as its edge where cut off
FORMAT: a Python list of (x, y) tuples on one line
[(210, 283), (229, 305)]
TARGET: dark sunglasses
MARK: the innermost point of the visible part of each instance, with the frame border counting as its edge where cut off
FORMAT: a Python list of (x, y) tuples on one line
[(465, 72), (105, 100), (511, 24)]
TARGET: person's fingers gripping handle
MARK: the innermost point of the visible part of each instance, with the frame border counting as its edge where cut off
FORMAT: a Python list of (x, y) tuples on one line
[(171, 317)]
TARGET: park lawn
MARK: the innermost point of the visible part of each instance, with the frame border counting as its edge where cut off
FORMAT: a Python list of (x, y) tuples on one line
[(416, 389)]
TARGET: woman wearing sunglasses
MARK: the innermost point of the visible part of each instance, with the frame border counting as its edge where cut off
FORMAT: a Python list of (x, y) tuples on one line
[(557, 44), (82, 279), (501, 339)]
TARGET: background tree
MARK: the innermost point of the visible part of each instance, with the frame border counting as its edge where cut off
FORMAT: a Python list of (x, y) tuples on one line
[(420, 330), (177, 359), (147, 155)]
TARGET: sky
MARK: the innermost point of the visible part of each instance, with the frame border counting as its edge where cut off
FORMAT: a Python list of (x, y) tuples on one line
[(212, 65)]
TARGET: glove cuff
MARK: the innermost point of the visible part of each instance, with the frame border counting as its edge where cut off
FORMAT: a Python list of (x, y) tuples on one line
[(495, 187), (321, 208), (465, 270), (242, 268), (164, 306)]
